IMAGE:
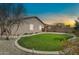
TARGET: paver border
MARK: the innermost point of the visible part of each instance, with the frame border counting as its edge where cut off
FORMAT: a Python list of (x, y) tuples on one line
[(41, 52)]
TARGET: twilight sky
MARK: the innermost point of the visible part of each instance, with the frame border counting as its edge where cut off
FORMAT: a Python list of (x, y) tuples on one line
[(52, 8), (53, 11)]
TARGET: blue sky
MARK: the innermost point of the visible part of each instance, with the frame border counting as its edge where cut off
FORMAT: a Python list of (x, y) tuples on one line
[(36, 9), (51, 13)]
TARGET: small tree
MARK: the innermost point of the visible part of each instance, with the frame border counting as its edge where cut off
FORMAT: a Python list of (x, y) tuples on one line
[(10, 14), (76, 25)]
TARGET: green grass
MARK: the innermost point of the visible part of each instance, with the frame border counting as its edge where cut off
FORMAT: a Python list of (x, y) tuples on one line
[(44, 42)]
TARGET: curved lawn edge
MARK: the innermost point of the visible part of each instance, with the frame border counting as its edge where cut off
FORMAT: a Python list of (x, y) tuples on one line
[(41, 52)]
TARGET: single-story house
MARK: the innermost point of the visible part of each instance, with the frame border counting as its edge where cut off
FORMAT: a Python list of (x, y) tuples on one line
[(30, 25), (34, 25)]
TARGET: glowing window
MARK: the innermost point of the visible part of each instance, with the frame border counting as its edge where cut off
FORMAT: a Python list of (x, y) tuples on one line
[(31, 26), (40, 27)]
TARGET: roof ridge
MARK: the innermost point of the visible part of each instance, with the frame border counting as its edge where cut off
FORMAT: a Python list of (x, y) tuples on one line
[(34, 17)]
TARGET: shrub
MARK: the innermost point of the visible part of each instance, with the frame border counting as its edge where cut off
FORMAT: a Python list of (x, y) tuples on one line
[(71, 48)]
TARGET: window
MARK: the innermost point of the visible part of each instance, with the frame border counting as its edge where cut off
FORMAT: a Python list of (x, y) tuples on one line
[(31, 26), (40, 27)]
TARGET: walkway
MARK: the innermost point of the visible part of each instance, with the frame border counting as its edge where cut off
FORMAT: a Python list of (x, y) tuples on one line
[(7, 47)]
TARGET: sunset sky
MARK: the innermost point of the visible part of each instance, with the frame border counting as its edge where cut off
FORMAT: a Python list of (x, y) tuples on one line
[(54, 12)]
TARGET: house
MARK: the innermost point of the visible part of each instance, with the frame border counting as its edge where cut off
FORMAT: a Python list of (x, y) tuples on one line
[(34, 25), (30, 25), (58, 27)]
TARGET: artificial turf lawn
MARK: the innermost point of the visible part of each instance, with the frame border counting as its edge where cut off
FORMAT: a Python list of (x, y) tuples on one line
[(44, 42)]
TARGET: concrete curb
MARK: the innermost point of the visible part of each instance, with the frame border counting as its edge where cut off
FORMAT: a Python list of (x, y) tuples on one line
[(40, 52)]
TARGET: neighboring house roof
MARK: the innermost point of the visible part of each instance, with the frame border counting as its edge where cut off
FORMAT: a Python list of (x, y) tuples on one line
[(33, 17)]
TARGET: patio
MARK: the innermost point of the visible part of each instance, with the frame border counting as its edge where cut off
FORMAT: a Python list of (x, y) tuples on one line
[(7, 47)]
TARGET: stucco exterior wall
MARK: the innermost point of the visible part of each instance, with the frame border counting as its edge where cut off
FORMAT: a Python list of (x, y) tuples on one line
[(25, 27)]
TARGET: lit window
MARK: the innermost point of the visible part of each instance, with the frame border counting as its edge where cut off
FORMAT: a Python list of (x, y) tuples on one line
[(31, 26), (40, 27)]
